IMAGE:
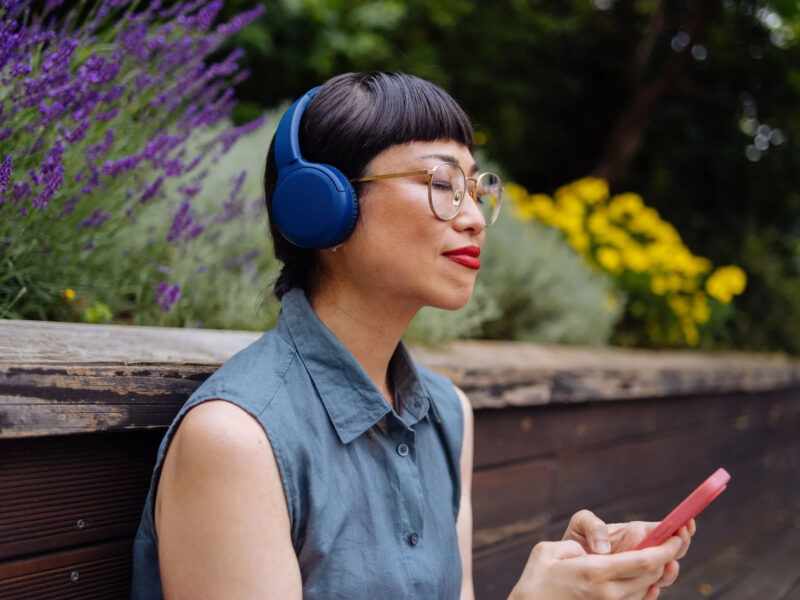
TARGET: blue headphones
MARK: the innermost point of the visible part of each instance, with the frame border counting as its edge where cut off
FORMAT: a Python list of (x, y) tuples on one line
[(314, 205)]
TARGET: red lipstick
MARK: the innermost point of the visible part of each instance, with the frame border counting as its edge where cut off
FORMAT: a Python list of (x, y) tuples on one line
[(467, 256)]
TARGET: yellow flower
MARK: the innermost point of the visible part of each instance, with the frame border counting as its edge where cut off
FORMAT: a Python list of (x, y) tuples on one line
[(627, 204), (701, 313), (646, 221), (690, 332), (598, 223), (726, 282), (592, 190), (679, 305), (570, 223), (610, 259), (68, 294), (658, 285), (635, 258), (579, 241)]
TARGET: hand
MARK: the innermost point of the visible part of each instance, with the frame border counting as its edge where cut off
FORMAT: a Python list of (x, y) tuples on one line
[(565, 571), (595, 536)]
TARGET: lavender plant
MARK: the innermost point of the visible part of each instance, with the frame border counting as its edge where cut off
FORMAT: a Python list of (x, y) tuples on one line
[(97, 107)]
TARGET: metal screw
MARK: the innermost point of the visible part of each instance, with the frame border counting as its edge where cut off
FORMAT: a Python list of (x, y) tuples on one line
[(80, 524), (74, 576)]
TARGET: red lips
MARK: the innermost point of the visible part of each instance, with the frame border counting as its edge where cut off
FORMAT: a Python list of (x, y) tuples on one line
[(466, 256)]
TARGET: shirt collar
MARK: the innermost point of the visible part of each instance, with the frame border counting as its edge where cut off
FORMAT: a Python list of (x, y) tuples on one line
[(351, 399)]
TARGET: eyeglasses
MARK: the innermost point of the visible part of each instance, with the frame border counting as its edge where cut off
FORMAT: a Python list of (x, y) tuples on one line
[(447, 187)]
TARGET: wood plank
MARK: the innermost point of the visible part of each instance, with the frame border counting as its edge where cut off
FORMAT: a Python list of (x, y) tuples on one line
[(605, 472), (761, 563), (494, 374), (496, 569), (38, 400), (511, 501), (101, 571), (74, 490), (522, 433)]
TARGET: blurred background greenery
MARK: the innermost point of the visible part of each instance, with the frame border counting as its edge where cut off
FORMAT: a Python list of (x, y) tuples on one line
[(653, 145), (693, 104)]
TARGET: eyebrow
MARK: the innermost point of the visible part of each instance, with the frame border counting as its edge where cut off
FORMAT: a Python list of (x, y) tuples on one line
[(452, 159)]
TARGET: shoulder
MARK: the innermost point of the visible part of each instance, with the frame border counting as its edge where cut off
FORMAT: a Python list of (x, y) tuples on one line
[(217, 439), (252, 376)]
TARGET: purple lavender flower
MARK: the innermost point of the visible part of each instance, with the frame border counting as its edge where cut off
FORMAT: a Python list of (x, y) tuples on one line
[(167, 295), (150, 191), (5, 174), (96, 219), (184, 225), (78, 133), (106, 116)]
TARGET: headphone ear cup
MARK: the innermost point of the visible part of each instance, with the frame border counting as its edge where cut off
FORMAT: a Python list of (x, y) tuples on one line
[(314, 206)]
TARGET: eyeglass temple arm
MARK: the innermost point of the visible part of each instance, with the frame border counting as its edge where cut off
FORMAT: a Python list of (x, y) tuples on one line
[(392, 175)]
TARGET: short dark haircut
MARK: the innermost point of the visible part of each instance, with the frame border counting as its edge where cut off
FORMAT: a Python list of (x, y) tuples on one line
[(353, 118)]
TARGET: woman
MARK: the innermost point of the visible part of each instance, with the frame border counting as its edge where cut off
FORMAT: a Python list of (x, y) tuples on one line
[(321, 462)]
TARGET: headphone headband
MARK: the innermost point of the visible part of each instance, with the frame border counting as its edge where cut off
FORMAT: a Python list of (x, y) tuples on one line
[(287, 138)]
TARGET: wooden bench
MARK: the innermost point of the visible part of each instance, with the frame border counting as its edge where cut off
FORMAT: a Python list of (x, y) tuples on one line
[(625, 433)]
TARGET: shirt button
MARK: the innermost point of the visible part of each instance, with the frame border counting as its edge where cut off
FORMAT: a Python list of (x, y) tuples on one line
[(402, 450), (413, 539)]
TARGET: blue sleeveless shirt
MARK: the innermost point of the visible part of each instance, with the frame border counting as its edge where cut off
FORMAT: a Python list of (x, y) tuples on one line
[(373, 493)]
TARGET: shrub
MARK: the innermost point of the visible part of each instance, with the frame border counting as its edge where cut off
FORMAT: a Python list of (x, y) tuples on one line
[(95, 115), (532, 286), (673, 296)]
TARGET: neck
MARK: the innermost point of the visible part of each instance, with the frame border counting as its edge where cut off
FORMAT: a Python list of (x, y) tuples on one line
[(369, 326)]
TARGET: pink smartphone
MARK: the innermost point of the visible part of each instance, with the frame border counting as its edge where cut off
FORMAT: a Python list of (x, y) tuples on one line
[(687, 510)]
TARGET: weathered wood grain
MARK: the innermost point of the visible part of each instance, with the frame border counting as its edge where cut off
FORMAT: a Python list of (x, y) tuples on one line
[(97, 572), (51, 399), (551, 436), (65, 491)]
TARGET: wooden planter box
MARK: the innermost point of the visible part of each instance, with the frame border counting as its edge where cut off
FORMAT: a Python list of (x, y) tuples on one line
[(624, 433)]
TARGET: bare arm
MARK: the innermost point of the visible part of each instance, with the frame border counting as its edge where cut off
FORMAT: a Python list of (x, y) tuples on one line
[(464, 523), (221, 513)]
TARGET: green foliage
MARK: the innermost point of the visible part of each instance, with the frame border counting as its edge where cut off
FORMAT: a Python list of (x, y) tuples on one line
[(546, 83), (225, 274), (543, 289)]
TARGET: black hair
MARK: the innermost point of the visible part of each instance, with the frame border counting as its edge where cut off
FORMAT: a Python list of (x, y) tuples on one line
[(353, 118)]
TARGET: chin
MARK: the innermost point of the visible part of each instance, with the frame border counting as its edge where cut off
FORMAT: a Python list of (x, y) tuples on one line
[(453, 299)]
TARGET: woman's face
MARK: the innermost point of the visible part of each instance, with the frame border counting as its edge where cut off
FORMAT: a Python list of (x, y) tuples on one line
[(399, 249)]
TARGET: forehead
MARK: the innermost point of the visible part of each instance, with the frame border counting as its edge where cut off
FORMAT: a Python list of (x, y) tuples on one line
[(424, 155)]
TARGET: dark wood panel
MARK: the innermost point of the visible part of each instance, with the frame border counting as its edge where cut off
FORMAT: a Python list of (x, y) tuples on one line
[(611, 472), (101, 571), (72, 490), (497, 569), (511, 501), (526, 432)]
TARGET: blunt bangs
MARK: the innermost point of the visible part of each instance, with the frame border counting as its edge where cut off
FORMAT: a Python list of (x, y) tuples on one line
[(354, 117)]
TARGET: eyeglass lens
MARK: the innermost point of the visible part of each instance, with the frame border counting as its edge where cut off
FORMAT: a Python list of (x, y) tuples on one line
[(448, 188)]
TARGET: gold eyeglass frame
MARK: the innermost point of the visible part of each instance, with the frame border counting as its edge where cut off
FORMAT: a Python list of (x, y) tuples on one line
[(459, 194)]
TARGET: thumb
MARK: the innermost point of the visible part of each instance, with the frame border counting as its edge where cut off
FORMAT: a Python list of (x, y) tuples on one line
[(585, 524)]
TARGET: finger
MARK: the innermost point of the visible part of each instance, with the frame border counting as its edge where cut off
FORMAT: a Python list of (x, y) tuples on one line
[(588, 526), (692, 527), (686, 541), (652, 593), (670, 574), (641, 563)]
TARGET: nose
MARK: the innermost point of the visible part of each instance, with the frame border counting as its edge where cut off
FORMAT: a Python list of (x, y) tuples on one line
[(470, 218)]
